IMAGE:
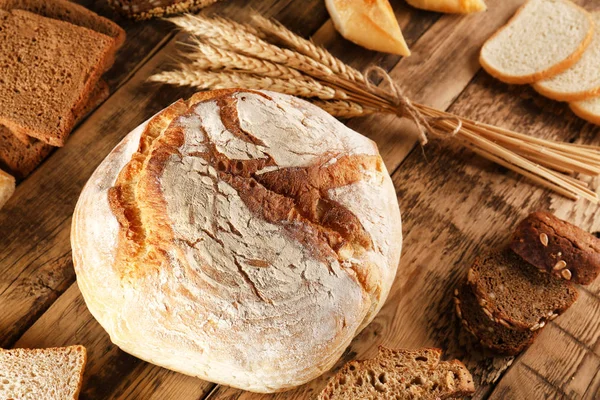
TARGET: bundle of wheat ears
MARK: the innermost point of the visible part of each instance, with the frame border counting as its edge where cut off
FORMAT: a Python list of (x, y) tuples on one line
[(266, 55)]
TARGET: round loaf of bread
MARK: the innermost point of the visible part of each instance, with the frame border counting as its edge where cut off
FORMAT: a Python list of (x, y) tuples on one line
[(242, 237)]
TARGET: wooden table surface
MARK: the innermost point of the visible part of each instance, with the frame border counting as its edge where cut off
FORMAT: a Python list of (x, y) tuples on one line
[(454, 205)]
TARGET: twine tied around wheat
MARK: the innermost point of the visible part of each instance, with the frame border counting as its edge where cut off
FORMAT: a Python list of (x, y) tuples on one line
[(266, 55)]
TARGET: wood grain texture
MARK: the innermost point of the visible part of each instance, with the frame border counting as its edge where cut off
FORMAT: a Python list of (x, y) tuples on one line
[(455, 205)]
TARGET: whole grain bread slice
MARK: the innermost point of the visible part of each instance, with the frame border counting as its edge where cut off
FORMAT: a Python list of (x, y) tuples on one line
[(31, 374), (400, 374), (492, 335), (558, 248), (70, 12), (514, 293), (544, 38), (67, 60), (587, 109)]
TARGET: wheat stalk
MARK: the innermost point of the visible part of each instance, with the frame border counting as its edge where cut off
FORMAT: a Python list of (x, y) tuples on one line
[(269, 56)]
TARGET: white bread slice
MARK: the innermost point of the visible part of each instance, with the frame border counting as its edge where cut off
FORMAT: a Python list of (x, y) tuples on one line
[(449, 6), (587, 109), (7, 187), (544, 38), (582, 80), (368, 23), (49, 374)]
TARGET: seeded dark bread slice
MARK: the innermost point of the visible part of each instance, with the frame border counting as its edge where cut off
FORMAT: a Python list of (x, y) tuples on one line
[(490, 334), (48, 374), (70, 12), (558, 247), (146, 9), (20, 157), (67, 60), (400, 374), (514, 293)]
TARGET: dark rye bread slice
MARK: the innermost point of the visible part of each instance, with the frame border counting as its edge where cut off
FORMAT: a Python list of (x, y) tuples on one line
[(558, 247), (516, 294), (22, 158), (70, 12), (51, 68), (489, 334), (146, 9), (400, 374)]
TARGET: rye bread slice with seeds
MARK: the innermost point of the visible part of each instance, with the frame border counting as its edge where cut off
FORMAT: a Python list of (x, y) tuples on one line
[(69, 12), (400, 374), (489, 334), (558, 247), (67, 60), (515, 293)]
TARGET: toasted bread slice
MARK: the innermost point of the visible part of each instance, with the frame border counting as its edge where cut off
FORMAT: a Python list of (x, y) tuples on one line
[(587, 109), (52, 374), (582, 80), (449, 6), (400, 374), (368, 23), (544, 38)]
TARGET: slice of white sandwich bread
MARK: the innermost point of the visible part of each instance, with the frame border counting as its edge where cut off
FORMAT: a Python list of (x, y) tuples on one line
[(49, 374), (7, 187), (582, 80), (544, 38), (587, 109)]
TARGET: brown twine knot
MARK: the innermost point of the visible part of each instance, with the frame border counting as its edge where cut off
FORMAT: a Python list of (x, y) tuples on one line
[(405, 107)]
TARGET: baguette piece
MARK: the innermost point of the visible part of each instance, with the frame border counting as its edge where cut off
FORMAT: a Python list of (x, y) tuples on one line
[(146, 9), (544, 38), (69, 12), (587, 109), (7, 187), (400, 374), (368, 23), (516, 294), (67, 60), (449, 6), (49, 374), (582, 80), (492, 335), (558, 248)]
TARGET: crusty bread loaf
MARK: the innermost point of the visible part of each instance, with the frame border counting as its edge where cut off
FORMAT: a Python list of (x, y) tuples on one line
[(490, 334), (544, 38), (70, 12), (449, 6), (587, 109), (246, 236), (368, 23), (558, 248), (145, 9), (67, 60), (49, 374), (398, 375), (582, 80), (7, 188), (516, 294)]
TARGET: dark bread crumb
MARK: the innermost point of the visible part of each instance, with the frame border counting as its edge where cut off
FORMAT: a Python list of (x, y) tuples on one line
[(511, 291), (558, 247)]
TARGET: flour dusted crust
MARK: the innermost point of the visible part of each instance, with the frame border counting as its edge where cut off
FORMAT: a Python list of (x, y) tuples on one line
[(242, 237)]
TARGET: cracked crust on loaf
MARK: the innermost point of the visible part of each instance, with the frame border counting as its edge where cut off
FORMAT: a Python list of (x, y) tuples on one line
[(244, 237)]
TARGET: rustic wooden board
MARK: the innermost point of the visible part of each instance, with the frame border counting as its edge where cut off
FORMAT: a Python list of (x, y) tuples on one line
[(454, 205)]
